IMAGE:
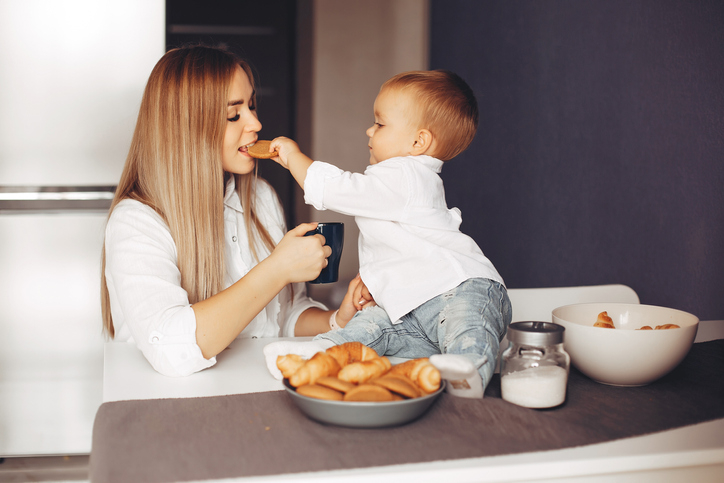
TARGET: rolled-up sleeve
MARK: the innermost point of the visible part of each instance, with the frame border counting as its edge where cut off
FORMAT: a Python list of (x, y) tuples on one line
[(317, 175), (148, 304), (290, 312)]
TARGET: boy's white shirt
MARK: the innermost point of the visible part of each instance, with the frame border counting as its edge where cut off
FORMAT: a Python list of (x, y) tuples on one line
[(150, 307), (411, 248)]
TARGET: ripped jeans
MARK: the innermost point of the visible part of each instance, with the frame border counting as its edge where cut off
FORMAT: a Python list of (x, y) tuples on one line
[(470, 320)]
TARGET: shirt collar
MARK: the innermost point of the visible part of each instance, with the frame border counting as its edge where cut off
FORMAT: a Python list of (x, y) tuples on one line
[(432, 163), (231, 197), (429, 162)]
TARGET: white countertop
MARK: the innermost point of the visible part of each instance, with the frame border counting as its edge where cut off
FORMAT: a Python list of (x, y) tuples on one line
[(240, 369), (693, 453)]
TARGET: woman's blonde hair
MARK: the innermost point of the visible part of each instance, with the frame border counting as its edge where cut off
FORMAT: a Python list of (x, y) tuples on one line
[(446, 106), (174, 166)]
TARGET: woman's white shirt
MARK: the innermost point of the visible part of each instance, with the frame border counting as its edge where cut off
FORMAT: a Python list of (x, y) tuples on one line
[(148, 304)]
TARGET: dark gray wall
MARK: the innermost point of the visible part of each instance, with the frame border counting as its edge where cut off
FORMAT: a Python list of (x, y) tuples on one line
[(600, 152)]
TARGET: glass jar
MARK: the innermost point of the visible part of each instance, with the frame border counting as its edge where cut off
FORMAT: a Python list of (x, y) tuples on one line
[(534, 368)]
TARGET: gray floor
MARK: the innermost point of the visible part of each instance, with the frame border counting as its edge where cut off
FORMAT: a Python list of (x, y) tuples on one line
[(48, 469)]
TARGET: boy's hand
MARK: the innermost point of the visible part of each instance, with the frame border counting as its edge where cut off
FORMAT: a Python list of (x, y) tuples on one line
[(347, 309), (292, 158), (285, 147), (362, 297), (356, 298)]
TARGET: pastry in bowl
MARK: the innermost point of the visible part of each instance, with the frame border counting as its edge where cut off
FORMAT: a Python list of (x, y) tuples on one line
[(351, 385), (346, 368)]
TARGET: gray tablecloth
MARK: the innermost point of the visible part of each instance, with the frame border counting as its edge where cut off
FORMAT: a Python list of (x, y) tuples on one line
[(262, 434)]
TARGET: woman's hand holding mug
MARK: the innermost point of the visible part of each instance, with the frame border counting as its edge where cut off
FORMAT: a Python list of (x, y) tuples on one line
[(302, 257)]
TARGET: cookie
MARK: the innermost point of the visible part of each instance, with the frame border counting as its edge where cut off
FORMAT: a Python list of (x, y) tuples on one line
[(319, 392), (667, 326), (335, 383), (260, 150), (398, 384), (368, 393)]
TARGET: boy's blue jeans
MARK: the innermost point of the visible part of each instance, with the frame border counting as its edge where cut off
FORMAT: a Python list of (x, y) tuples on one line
[(470, 320)]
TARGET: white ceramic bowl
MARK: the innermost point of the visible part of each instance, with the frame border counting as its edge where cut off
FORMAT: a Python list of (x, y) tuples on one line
[(625, 356)]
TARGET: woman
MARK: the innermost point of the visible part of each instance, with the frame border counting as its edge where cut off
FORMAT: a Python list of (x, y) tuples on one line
[(195, 252)]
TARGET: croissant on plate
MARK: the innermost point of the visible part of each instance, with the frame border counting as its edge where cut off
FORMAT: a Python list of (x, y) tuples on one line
[(421, 372), (355, 363), (320, 365), (351, 352), (289, 364), (362, 371)]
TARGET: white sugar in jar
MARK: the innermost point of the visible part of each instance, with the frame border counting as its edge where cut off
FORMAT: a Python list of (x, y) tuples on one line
[(535, 387), (534, 368)]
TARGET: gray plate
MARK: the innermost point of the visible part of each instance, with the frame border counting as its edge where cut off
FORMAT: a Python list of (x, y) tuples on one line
[(363, 414)]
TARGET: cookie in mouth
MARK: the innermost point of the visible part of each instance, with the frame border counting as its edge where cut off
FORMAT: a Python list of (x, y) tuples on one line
[(260, 150)]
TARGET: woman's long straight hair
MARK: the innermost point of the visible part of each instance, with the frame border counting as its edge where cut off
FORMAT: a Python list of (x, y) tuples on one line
[(174, 166)]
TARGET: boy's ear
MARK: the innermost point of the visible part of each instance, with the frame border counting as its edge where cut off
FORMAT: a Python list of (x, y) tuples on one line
[(423, 143)]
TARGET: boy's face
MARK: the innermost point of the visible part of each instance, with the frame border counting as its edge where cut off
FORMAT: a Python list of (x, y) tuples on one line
[(394, 131)]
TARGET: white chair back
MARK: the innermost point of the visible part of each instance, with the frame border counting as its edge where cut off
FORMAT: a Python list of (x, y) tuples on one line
[(536, 304)]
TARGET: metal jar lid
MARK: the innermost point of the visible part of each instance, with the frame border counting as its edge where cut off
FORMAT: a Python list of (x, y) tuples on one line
[(539, 334)]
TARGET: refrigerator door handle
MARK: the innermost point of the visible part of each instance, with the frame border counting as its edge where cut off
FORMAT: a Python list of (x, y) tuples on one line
[(44, 199)]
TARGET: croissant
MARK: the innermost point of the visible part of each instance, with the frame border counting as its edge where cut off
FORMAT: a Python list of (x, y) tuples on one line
[(604, 321), (428, 378), (321, 364), (420, 371), (363, 371), (406, 368), (289, 364), (350, 352)]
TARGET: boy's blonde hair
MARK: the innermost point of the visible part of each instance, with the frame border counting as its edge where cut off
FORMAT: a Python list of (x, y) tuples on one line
[(174, 166), (446, 107)]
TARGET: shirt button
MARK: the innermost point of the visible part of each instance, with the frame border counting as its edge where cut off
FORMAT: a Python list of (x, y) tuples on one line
[(253, 337), (154, 338), (233, 238)]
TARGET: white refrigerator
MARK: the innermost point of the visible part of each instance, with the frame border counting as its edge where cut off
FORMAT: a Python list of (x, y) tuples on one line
[(72, 73)]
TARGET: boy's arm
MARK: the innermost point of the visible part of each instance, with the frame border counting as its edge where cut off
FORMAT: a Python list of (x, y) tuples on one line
[(382, 195), (299, 163), (292, 158)]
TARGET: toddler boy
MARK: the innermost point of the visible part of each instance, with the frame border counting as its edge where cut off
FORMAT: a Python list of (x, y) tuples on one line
[(435, 291)]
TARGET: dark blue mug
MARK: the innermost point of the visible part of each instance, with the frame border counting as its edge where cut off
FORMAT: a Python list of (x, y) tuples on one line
[(333, 233)]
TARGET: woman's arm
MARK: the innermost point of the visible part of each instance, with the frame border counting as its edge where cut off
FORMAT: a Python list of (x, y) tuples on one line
[(315, 321), (312, 321), (221, 317)]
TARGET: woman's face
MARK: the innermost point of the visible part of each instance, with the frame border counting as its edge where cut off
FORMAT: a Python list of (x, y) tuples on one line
[(242, 126)]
